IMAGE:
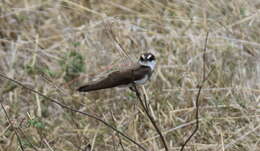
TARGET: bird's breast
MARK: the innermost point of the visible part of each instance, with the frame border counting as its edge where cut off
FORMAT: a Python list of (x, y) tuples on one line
[(142, 81)]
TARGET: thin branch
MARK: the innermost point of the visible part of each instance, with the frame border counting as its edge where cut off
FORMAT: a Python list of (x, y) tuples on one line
[(150, 117), (120, 143), (143, 103), (71, 109), (146, 103), (112, 35), (26, 138), (120, 140), (204, 58), (204, 78), (9, 121), (48, 145)]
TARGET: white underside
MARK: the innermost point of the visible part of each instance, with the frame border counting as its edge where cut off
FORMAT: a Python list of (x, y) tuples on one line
[(150, 64), (146, 77), (142, 81), (137, 82)]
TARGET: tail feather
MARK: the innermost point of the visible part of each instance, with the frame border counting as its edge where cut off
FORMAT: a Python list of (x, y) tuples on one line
[(112, 80), (103, 84), (83, 88), (87, 88)]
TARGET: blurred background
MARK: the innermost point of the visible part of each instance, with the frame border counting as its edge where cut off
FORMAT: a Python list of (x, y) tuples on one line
[(56, 46)]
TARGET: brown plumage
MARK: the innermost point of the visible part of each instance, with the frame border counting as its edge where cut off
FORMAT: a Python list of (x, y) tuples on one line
[(117, 78)]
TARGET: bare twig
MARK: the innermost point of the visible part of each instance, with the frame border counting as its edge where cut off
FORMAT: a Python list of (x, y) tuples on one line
[(112, 35), (143, 104), (26, 138), (120, 140), (47, 143), (71, 109), (121, 144), (9, 121), (200, 86)]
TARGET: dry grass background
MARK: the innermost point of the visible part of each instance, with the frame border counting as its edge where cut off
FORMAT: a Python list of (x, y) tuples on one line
[(55, 46)]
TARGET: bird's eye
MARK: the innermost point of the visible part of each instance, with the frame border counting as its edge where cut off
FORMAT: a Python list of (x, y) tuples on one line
[(147, 57), (151, 57), (142, 58)]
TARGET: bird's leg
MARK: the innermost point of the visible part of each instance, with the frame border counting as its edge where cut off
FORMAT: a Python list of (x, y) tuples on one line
[(132, 88)]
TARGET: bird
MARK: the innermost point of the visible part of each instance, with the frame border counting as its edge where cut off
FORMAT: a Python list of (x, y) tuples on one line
[(138, 74)]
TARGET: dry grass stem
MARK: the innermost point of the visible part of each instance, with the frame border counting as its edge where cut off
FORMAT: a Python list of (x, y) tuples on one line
[(56, 46)]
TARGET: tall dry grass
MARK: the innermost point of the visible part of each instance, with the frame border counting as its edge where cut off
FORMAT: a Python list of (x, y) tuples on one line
[(55, 46)]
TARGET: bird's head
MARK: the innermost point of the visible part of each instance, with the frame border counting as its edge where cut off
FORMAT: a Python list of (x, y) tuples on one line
[(147, 59)]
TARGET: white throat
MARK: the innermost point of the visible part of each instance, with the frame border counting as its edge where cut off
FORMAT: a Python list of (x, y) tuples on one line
[(150, 64)]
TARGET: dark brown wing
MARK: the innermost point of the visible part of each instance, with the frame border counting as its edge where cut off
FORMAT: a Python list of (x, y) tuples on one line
[(117, 78)]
